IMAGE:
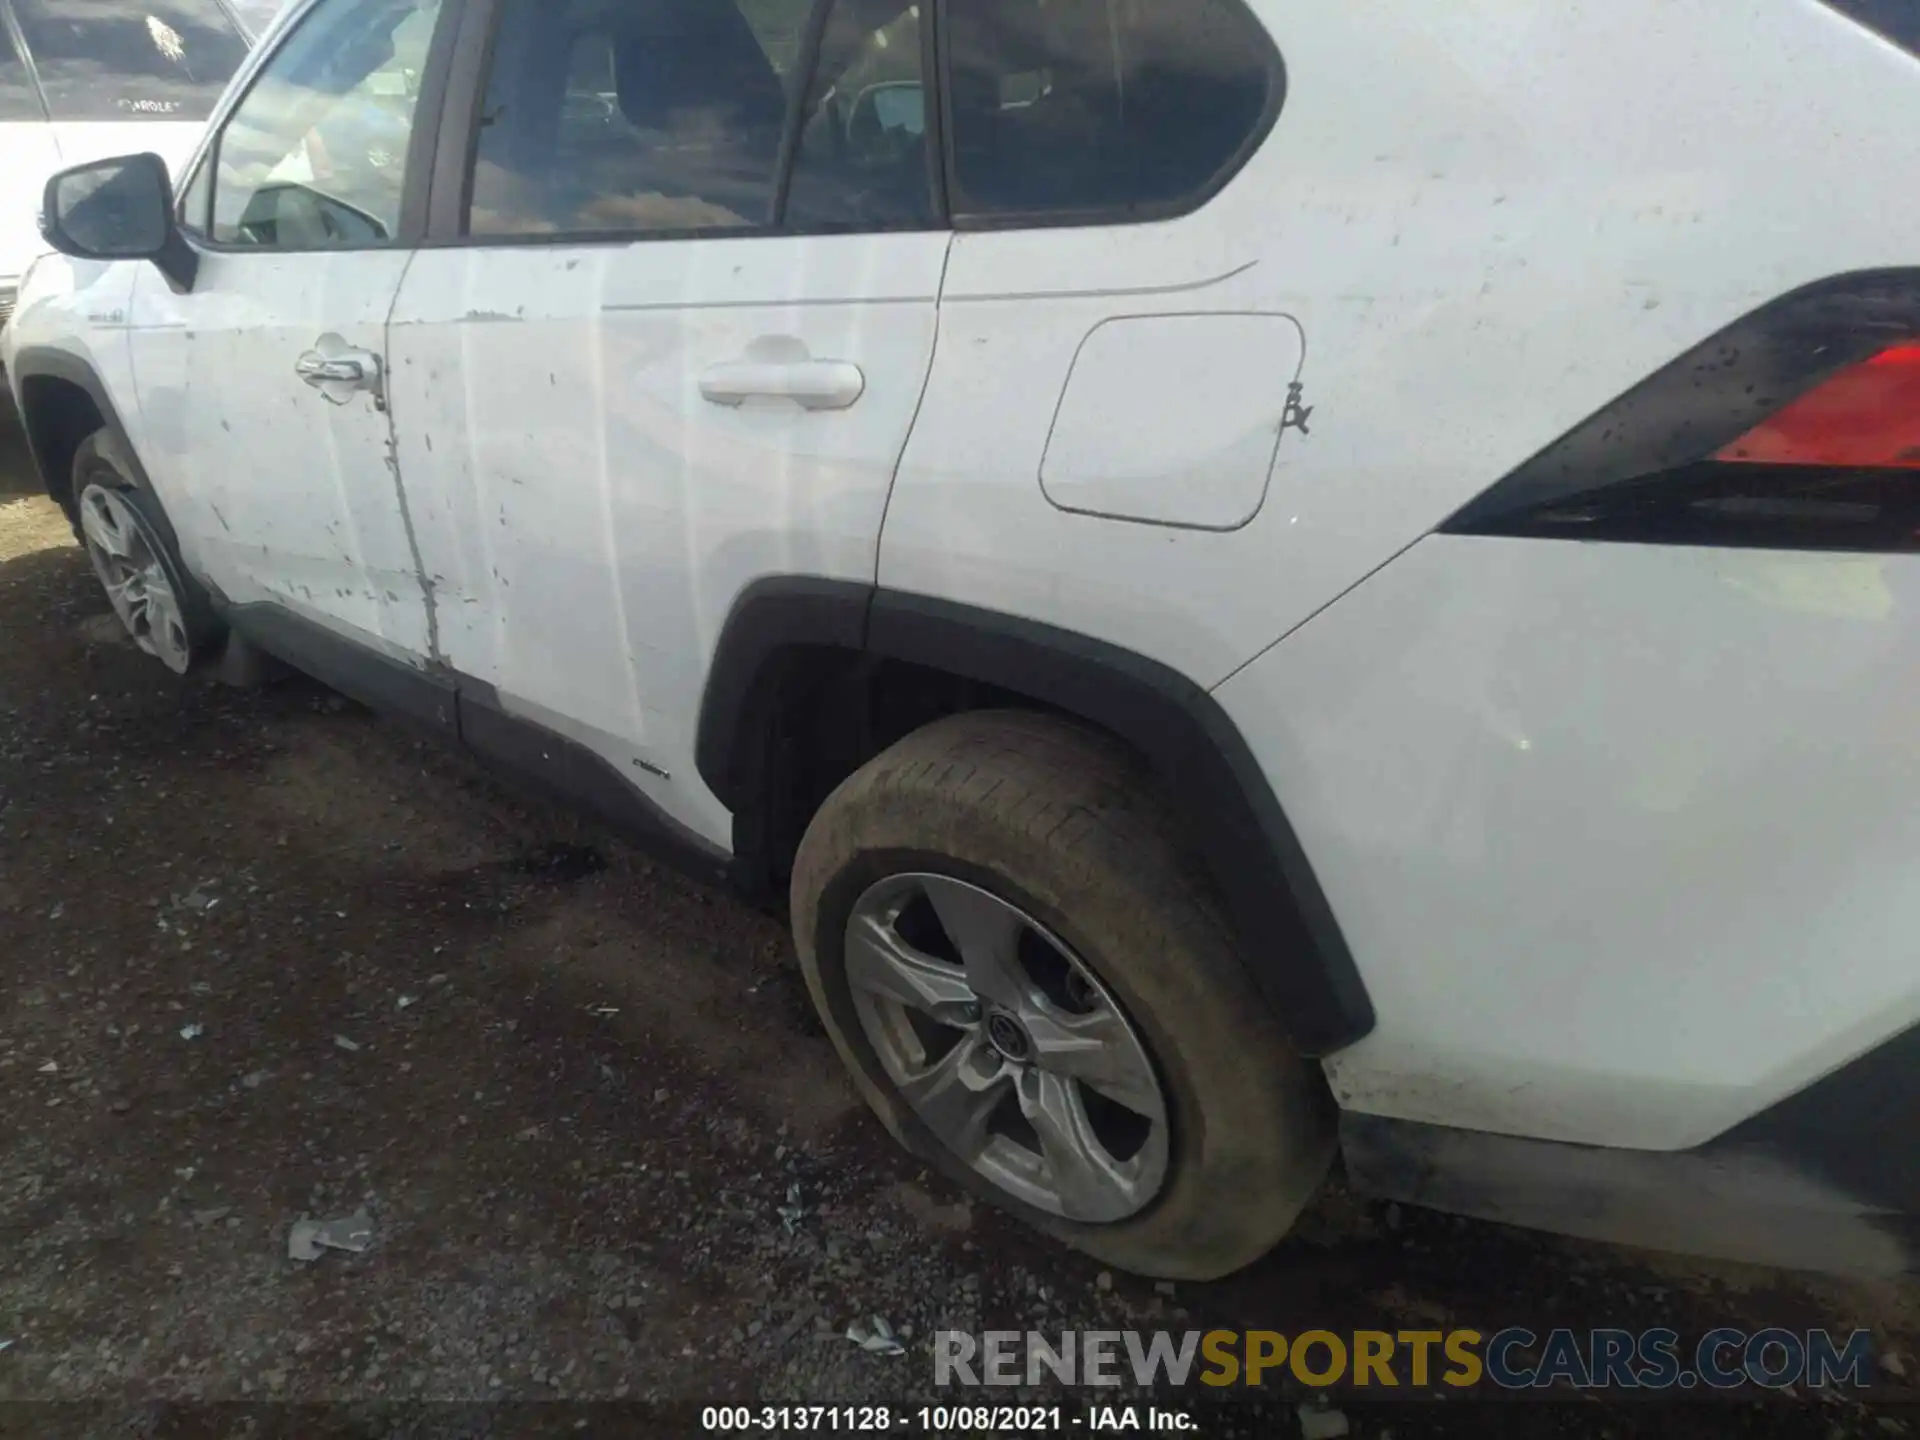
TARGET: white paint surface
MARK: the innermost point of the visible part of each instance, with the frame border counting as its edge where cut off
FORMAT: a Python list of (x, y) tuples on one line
[(588, 516), (281, 495), (1623, 837)]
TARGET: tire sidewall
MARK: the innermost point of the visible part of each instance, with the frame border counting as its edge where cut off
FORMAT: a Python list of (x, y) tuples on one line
[(1250, 1122), (827, 976), (101, 460)]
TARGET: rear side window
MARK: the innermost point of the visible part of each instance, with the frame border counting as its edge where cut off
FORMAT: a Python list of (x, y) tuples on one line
[(17, 100), (664, 117), (1103, 109), (1898, 20), (131, 59)]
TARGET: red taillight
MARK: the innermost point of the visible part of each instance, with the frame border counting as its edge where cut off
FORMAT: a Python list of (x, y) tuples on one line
[(1865, 418)]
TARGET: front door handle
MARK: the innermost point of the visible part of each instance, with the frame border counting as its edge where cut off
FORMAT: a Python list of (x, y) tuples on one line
[(316, 369), (339, 371), (779, 368)]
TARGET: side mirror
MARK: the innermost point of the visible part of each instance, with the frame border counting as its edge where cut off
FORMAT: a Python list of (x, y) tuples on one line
[(118, 210)]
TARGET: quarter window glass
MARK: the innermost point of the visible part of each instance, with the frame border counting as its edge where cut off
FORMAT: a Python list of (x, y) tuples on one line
[(1102, 106), (315, 156), (190, 212), (17, 100), (131, 59), (661, 116), (862, 162)]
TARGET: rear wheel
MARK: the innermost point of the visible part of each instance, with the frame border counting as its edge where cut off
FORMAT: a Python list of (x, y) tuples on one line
[(1036, 992), (130, 545)]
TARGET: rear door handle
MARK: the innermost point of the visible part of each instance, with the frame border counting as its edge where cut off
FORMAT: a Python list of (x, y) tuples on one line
[(810, 384)]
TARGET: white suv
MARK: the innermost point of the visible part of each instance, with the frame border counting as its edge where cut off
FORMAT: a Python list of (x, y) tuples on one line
[(80, 80), (1273, 578)]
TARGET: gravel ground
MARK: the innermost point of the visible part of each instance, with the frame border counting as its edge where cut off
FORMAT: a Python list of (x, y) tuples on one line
[(269, 957)]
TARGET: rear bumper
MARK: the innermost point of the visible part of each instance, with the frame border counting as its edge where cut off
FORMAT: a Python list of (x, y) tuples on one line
[(1827, 1180)]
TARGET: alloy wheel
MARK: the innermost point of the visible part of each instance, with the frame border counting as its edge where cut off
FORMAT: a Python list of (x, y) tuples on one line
[(1008, 1048), (126, 557)]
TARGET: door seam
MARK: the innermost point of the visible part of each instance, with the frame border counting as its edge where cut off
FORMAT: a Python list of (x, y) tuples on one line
[(435, 658), (926, 384)]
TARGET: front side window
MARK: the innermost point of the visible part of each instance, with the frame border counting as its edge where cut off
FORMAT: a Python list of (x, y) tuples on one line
[(17, 100), (1102, 107), (131, 59), (314, 157), (668, 116)]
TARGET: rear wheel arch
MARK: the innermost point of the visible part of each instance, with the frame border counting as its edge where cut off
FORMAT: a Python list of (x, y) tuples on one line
[(811, 678), (1034, 988)]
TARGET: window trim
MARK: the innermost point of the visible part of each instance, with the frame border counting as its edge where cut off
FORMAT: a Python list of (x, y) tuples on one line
[(460, 143), (422, 138), (813, 36), (1105, 216), (471, 69), (938, 125)]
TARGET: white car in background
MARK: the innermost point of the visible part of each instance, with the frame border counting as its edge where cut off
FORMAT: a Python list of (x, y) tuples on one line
[(83, 79)]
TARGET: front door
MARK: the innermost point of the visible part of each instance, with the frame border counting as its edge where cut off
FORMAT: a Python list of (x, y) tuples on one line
[(265, 390), (646, 372)]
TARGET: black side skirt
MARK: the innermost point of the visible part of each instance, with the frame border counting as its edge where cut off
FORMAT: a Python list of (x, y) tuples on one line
[(468, 711), (1827, 1179)]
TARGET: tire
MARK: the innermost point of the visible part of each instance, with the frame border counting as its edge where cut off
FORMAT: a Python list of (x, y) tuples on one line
[(183, 633), (1067, 826)]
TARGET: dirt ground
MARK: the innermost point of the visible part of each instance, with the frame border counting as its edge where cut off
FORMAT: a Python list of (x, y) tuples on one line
[(268, 956)]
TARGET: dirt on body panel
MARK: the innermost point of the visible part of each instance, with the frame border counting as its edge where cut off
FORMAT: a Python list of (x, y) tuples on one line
[(605, 1148)]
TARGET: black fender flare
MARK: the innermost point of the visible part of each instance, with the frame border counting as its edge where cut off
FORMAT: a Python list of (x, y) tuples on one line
[(1293, 944), (40, 362)]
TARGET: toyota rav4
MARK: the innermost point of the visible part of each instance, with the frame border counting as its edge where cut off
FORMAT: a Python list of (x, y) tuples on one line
[(1270, 579)]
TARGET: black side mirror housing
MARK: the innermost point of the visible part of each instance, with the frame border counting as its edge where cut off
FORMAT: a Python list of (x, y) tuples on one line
[(120, 209)]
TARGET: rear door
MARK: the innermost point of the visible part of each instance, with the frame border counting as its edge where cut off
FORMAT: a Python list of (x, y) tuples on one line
[(123, 78), (641, 369)]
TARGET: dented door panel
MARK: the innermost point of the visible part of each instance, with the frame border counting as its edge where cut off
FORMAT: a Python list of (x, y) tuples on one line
[(284, 483), (604, 445)]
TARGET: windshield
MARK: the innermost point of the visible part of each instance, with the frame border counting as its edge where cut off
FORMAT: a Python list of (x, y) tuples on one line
[(131, 59)]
